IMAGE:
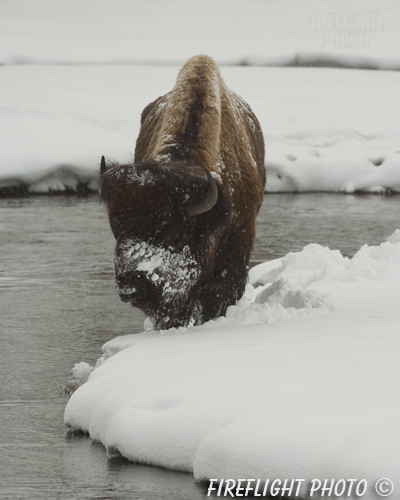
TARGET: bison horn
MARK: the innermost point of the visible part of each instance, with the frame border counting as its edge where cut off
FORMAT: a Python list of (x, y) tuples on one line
[(103, 167), (209, 200)]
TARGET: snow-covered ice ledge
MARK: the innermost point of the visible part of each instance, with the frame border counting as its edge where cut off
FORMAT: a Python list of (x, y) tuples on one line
[(345, 163), (325, 129), (301, 379), (63, 179)]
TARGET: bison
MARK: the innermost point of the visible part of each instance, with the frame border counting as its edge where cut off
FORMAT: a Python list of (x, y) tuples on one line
[(183, 213)]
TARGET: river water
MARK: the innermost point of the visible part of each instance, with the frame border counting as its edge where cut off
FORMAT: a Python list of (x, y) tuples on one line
[(58, 307)]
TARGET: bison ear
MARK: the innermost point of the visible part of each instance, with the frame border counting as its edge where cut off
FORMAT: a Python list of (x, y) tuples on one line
[(209, 200), (103, 166)]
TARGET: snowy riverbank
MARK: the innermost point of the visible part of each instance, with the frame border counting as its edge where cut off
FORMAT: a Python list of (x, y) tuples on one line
[(325, 129), (300, 380), (75, 77)]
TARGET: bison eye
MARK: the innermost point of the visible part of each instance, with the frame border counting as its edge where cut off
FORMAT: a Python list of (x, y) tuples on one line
[(173, 235)]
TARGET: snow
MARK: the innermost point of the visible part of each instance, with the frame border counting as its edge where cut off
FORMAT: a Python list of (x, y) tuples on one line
[(176, 270), (299, 380), (75, 77), (81, 371), (325, 129), (155, 31)]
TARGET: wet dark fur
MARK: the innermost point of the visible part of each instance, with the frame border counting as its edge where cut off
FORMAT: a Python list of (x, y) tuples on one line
[(182, 133)]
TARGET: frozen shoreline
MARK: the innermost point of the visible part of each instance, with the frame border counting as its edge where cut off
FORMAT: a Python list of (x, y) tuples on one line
[(291, 383), (325, 129)]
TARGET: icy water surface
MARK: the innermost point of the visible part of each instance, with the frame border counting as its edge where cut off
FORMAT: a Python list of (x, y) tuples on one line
[(59, 306)]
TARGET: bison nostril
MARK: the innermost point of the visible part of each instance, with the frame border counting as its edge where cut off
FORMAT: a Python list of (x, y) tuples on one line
[(126, 293), (135, 292), (124, 297)]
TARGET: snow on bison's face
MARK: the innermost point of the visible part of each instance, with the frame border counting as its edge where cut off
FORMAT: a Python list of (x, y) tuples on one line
[(168, 225)]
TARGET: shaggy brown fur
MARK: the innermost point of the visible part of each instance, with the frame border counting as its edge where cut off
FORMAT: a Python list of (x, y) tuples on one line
[(183, 269)]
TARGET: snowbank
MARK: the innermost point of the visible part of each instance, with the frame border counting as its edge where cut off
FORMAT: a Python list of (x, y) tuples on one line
[(70, 93), (325, 129), (299, 380)]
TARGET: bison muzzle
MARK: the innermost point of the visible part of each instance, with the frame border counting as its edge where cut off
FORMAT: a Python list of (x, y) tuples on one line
[(183, 213)]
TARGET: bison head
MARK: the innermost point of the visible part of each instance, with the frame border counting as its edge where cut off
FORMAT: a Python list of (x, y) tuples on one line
[(168, 221)]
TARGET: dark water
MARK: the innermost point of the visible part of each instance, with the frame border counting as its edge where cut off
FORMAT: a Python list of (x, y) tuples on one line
[(58, 306), (286, 223)]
